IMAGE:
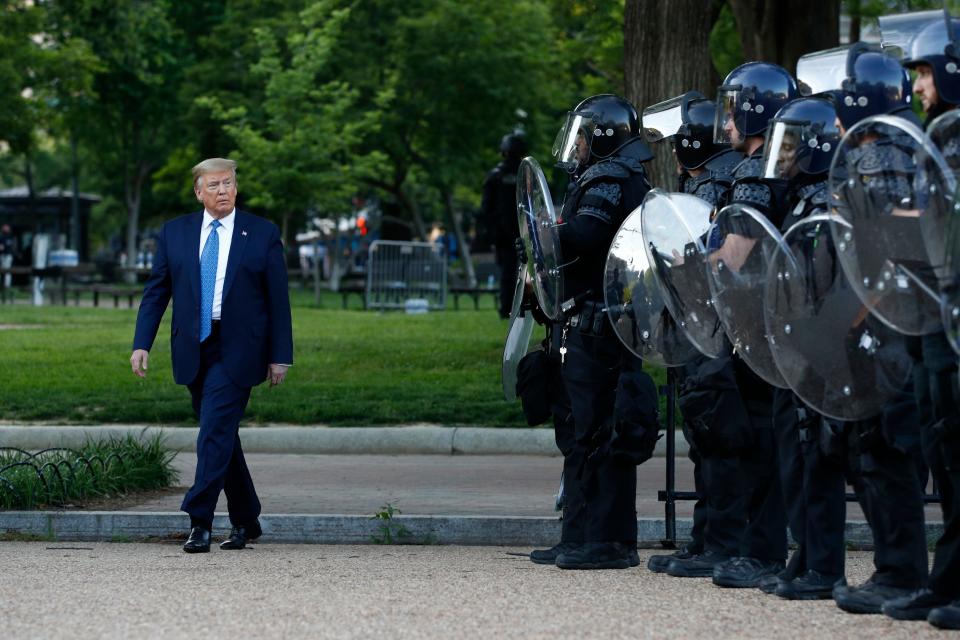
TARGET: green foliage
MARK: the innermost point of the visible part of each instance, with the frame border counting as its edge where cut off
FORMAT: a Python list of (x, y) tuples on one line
[(725, 46), (98, 469)]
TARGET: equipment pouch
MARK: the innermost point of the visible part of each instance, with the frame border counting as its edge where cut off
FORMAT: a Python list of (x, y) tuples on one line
[(636, 415), (715, 415), (533, 376)]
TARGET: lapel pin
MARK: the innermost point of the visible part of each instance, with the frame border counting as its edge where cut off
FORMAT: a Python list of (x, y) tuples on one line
[(243, 233)]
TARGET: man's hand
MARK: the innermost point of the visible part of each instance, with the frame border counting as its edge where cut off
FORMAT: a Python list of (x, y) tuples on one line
[(276, 373), (138, 362)]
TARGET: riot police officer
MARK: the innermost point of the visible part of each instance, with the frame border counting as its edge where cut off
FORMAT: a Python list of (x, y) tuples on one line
[(499, 208), (882, 458), (600, 146), (704, 170), (750, 95), (812, 484), (929, 41)]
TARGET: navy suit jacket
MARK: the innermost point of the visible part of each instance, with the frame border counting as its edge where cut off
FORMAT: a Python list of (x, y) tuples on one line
[(255, 327)]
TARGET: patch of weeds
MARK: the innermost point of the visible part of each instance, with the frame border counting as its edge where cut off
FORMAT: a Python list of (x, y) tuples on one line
[(390, 531)]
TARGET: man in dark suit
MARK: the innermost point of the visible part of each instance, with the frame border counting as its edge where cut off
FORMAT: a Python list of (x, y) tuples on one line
[(231, 330)]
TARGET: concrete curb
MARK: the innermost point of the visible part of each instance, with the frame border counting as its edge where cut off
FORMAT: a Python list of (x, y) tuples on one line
[(344, 529), (414, 439)]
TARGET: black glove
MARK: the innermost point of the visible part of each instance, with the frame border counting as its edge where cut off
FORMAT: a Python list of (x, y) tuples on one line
[(521, 251)]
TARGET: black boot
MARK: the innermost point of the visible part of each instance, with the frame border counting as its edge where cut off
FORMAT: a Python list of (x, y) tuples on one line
[(812, 585), (549, 556), (596, 555)]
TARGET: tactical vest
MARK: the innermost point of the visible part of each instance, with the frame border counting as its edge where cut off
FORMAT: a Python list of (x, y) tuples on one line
[(714, 183), (506, 229), (806, 200), (586, 272)]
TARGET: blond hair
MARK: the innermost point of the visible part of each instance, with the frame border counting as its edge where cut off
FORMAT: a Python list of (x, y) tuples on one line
[(213, 165)]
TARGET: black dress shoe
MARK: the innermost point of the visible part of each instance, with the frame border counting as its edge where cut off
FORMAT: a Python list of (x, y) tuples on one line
[(947, 617), (549, 556), (916, 606), (240, 536), (812, 585), (198, 541), (596, 555), (745, 573)]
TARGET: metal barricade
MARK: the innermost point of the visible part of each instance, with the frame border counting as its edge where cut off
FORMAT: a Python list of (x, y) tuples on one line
[(401, 271)]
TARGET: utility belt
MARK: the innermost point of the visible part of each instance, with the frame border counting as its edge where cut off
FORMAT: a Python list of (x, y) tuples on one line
[(588, 317)]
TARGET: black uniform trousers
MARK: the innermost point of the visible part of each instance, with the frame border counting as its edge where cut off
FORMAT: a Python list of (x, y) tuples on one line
[(813, 486), (507, 262), (599, 495), (765, 536), (889, 488), (700, 509), (717, 427), (219, 404), (941, 448)]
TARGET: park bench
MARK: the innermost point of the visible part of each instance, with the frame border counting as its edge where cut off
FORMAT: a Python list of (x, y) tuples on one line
[(475, 293), (353, 285), (114, 291)]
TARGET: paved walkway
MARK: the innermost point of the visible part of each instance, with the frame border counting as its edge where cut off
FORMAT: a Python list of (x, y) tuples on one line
[(90, 590), (428, 485)]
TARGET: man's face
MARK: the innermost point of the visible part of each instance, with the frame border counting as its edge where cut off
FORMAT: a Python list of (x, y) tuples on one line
[(217, 192), (732, 133), (786, 158), (583, 149), (925, 88)]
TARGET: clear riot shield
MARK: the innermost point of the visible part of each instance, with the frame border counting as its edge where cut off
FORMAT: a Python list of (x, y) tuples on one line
[(538, 230), (950, 284), (674, 228), (633, 297), (835, 355), (887, 181), (518, 337), (740, 244)]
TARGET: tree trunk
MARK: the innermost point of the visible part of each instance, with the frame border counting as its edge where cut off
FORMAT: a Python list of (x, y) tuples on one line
[(462, 241), (134, 194), (410, 205), (666, 53), (781, 31)]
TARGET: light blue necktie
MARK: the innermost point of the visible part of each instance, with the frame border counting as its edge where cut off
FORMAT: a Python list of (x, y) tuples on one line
[(208, 278)]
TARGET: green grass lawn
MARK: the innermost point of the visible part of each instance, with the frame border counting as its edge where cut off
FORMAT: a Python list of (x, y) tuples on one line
[(351, 368)]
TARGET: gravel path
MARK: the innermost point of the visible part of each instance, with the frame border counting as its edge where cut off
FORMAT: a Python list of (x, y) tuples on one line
[(77, 590)]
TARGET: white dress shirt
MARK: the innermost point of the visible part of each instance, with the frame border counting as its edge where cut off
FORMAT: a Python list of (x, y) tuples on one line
[(225, 235)]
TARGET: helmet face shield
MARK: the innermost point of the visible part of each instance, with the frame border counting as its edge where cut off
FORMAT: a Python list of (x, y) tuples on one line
[(725, 127), (664, 119), (822, 71), (900, 31), (572, 145), (784, 150)]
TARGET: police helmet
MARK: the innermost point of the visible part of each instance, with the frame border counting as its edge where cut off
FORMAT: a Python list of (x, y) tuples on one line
[(597, 128), (931, 38), (749, 96), (802, 138)]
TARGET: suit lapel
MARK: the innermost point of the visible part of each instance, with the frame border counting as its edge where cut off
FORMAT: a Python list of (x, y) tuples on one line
[(237, 244), (192, 253)]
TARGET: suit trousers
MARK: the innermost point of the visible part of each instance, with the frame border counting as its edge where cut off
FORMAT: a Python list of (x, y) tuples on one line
[(219, 405)]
